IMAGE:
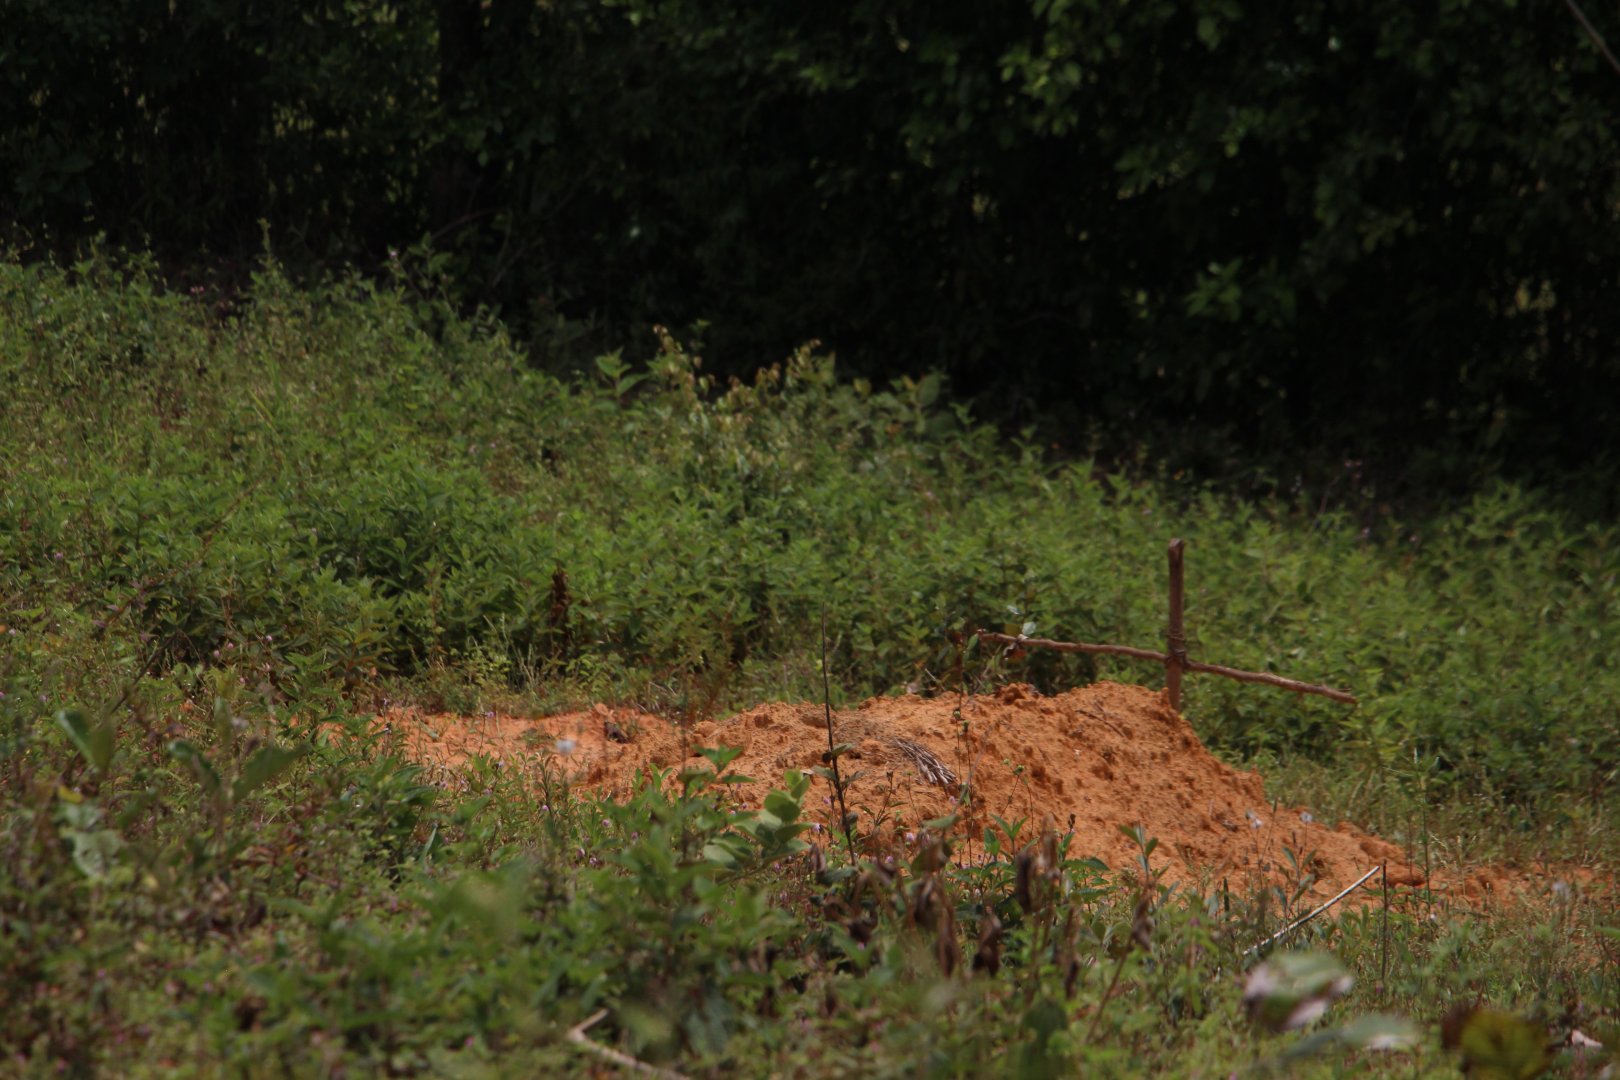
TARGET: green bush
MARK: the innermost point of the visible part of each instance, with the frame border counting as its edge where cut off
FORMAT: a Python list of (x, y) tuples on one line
[(353, 486)]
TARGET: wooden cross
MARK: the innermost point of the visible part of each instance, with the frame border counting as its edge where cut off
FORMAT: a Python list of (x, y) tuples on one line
[(1174, 658)]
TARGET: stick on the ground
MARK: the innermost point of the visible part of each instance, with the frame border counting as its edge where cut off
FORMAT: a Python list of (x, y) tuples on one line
[(577, 1036), (1296, 924)]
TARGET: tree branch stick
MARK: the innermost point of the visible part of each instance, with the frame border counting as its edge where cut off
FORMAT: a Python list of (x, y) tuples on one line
[(1275, 680), (1591, 31), (832, 747), (1071, 646), (1297, 923), (1264, 677), (577, 1036)]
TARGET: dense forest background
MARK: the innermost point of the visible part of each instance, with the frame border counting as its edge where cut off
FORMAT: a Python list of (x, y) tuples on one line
[(1381, 236)]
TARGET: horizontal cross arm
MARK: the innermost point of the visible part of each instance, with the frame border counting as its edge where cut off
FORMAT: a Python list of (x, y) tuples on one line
[(1263, 677)]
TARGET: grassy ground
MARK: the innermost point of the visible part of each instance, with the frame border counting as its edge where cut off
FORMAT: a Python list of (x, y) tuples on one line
[(216, 520)]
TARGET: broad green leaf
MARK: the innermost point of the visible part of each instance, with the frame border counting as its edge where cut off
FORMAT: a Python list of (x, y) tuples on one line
[(95, 853), (1496, 1045), (224, 727), (491, 903), (1380, 1031), (1373, 1032), (779, 804), (720, 756), (720, 854), (185, 752), (1043, 1020), (766, 820), (95, 742), (78, 812), (267, 763), (693, 781), (1293, 990), (928, 389)]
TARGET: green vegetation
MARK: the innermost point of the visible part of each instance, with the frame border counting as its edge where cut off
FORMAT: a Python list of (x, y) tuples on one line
[(355, 485), (1318, 230), (225, 523)]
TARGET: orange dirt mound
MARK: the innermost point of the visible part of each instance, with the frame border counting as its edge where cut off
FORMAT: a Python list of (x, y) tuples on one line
[(1093, 759)]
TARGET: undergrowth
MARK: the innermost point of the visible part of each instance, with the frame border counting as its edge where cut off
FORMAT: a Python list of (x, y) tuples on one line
[(224, 530)]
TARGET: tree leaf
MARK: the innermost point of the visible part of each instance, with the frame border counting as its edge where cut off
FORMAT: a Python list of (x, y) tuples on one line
[(785, 808), (186, 753), (95, 853), (267, 763), (1495, 1045), (96, 743)]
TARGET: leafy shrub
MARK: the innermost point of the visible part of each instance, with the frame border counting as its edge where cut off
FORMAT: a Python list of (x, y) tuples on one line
[(353, 486)]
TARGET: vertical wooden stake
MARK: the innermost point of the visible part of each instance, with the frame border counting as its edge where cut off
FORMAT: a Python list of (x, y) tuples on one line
[(1383, 960), (1176, 635)]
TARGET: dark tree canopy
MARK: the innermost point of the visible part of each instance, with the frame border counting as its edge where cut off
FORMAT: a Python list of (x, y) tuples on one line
[(1380, 227)]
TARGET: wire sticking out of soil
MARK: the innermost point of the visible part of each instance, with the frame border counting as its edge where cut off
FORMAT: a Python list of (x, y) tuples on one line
[(1092, 759)]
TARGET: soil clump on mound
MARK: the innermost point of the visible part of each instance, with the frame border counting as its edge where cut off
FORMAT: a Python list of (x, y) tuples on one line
[(1089, 761)]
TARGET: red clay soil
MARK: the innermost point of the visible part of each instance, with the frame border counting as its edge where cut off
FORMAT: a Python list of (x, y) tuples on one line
[(1092, 759)]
